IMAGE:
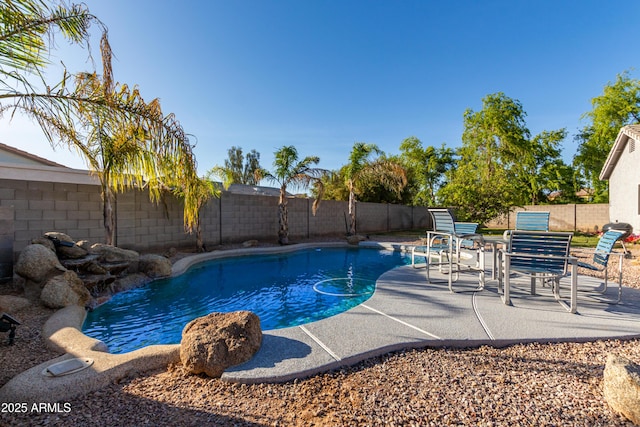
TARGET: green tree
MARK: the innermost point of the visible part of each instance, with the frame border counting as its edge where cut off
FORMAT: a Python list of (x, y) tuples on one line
[(288, 170), (125, 140), (499, 164), (543, 171), (619, 105), (239, 169), (362, 170), (333, 185), (426, 169)]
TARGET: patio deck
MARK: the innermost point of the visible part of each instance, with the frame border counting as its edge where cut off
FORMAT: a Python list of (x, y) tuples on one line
[(407, 312)]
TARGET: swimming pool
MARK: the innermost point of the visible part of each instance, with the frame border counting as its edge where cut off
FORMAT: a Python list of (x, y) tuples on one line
[(282, 289)]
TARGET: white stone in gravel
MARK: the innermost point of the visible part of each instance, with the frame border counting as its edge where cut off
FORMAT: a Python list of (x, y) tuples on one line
[(622, 387)]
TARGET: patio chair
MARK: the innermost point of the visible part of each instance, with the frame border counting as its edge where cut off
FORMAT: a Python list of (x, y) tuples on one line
[(446, 240), (530, 221), (540, 255), (600, 261)]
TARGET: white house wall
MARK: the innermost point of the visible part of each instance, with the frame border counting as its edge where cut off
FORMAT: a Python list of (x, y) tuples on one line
[(624, 187)]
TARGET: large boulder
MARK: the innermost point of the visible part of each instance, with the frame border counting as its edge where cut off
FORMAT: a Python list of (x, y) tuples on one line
[(64, 290), (109, 253), (65, 246), (622, 387), (212, 343), (154, 266), (36, 263)]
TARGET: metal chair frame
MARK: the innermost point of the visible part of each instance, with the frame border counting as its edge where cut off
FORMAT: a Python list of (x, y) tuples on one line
[(600, 261), (447, 240), (540, 255)]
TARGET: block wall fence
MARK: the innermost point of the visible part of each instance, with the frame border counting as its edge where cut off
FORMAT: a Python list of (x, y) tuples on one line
[(570, 217), (30, 208)]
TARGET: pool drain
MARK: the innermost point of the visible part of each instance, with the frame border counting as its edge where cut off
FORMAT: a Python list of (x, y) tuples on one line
[(345, 287)]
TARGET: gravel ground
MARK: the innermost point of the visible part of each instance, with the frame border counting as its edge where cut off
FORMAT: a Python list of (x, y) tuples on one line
[(523, 385)]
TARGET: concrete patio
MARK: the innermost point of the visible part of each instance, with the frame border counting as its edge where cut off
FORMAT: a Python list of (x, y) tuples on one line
[(405, 311)]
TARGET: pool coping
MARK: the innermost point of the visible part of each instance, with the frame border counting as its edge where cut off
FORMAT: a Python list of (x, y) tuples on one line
[(393, 318)]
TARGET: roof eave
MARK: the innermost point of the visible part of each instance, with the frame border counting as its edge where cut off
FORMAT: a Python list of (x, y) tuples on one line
[(614, 155)]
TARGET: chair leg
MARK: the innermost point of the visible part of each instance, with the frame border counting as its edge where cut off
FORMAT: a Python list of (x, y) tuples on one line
[(533, 284), (572, 307), (506, 297)]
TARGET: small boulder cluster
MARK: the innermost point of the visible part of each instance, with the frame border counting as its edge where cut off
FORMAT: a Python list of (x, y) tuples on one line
[(60, 272)]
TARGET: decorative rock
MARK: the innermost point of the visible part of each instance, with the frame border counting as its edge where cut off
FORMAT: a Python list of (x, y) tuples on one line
[(47, 243), (87, 264), (61, 237), (130, 281), (116, 268), (622, 387), (31, 289), (63, 290), (94, 268), (154, 266), (97, 283), (171, 252), (355, 239), (250, 243), (113, 254), (12, 304), (36, 263), (84, 244), (212, 343), (65, 246)]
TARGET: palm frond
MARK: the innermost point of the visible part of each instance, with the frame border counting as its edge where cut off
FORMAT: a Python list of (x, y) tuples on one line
[(27, 28)]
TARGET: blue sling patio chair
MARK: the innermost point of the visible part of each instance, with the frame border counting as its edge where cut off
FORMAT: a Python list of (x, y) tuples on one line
[(446, 241), (600, 261), (541, 255), (530, 221)]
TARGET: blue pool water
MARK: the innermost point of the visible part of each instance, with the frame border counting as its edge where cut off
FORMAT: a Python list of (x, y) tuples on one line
[(283, 290)]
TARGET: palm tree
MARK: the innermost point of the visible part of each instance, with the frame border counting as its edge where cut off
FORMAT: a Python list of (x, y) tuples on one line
[(289, 171), (125, 140), (126, 151), (361, 169), (202, 191)]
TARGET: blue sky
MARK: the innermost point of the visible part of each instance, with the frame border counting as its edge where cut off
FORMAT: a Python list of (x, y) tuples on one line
[(323, 74)]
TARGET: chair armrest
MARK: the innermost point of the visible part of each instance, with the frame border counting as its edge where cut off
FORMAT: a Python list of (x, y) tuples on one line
[(526, 255), (591, 251), (432, 234), (471, 236)]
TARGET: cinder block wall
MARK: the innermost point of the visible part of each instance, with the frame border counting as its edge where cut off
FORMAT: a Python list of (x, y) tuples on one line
[(592, 217), (331, 218), (244, 217), (6, 241), (372, 217), (571, 217), (28, 209)]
